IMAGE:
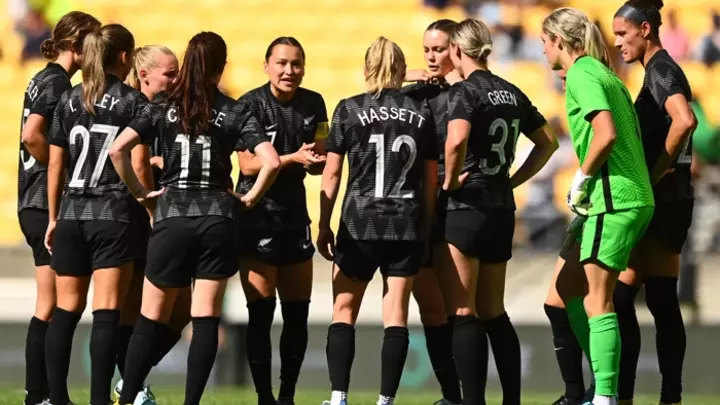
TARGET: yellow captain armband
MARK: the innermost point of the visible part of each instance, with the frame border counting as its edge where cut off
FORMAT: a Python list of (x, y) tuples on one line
[(322, 131)]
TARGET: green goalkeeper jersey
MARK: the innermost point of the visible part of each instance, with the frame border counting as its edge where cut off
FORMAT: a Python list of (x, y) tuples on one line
[(623, 181)]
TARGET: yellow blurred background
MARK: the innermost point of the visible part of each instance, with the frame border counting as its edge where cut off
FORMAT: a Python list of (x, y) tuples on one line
[(335, 34)]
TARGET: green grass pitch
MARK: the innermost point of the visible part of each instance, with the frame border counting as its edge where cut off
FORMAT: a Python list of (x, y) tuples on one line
[(244, 396)]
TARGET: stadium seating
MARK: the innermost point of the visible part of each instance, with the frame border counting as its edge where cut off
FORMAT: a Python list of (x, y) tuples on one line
[(335, 34)]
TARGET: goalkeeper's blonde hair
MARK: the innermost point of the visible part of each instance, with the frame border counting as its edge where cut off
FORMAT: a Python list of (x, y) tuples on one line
[(577, 33)]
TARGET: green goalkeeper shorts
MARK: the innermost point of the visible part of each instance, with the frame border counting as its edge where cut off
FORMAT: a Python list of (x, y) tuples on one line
[(608, 239)]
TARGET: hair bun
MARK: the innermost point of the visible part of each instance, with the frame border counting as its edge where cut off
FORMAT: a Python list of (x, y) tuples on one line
[(658, 4), (485, 52), (49, 49)]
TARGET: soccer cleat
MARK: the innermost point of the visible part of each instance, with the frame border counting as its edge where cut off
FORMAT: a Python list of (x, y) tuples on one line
[(117, 390), (563, 400), (285, 401), (144, 397), (444, 402), (677, 403), (343, 402)]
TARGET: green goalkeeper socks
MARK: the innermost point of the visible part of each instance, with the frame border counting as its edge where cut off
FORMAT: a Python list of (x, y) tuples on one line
[(605, 353), (579, 324)]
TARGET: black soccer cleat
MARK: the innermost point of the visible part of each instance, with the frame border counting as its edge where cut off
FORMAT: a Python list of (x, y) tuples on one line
[(563, 400)]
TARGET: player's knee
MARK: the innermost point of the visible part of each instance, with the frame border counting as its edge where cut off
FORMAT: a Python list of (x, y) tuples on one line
[(261, 312), (44, 309), (432, 315), (487, 312), (345, 310), (597, 303), (624, 298), (295, 315), (661, 295)]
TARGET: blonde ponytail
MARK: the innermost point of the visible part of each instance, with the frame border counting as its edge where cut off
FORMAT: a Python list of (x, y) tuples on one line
[(145, 58), (580, 35), (384, 66), (93, 73), (595, 45), (101, 49)]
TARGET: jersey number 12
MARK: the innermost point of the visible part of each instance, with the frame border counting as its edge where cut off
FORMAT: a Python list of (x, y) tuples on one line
[(396, 191)]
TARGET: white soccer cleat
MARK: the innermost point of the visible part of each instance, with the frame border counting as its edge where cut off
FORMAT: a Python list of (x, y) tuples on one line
[(144, 397)]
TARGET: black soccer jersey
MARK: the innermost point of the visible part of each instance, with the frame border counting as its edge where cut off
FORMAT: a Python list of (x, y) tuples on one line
[(387, 140), (437, 96), (197, 168), (41, 97), (288, 125), (497, 111), (663, 79), (93, 189)]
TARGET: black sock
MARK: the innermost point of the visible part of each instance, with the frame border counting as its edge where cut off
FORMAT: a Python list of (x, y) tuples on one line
[(662, 301), (36, 386), (293, 344), (624, 302), (392, 359), (137, 366), (201, 357), (568, 352), (58, 347), (439, 346), (340, 352), (122, 341), (471, 357), (506, 349), (167, 339), (259, 347), (102, 354)]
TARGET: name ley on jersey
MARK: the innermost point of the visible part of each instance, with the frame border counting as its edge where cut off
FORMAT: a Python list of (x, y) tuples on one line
[(102, 103), (393, 113)]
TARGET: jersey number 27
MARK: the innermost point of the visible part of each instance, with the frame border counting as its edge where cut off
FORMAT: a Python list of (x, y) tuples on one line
[(110, 132)]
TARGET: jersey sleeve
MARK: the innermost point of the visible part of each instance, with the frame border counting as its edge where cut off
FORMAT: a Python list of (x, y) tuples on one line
[(336, 138), (251, 132), (44, 103), (57, 135), (321, 118), (663, 82), (588, 91), (429, 134), (460, 102), (147, 122), (532, 118)]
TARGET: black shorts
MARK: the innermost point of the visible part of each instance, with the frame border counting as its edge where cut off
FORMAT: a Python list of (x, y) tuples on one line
[(277, 248), (670, 224), (185, 248), (33, 223), (80, 247), (358, 259), (486, 235)]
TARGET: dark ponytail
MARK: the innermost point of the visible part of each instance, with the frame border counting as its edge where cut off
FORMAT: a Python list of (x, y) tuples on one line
[(193, 94)]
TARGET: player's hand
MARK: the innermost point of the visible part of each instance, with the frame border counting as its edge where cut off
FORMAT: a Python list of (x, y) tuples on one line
[(306, 156), (656, 181), (157, 161), (326, 244), (577, 197), (49, 235), (454, 184), (248, 200), (148, 198), (453, 77), (416, 75)]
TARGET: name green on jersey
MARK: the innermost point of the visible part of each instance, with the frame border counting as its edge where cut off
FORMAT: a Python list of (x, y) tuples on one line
[(623, 182)]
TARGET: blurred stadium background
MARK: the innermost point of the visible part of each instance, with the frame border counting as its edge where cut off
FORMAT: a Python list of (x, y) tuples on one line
[(335, 34)]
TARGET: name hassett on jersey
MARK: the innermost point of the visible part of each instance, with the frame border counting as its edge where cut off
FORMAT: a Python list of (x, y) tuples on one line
[(497, 112), (197, 168), (93, 189), (387, 140), (41, 97)]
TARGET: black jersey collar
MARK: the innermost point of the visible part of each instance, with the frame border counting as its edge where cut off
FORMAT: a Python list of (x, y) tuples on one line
[(662, 53), (56, 66), (276, 100)]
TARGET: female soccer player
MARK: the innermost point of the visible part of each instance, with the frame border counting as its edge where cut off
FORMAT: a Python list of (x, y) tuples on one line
[(433, 85), (486, 115), (570, 280), (666, 121), (92, 231), (154, 70), (275, 240), (64, 51), (194, 232), (611, 187), (391, 145)]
